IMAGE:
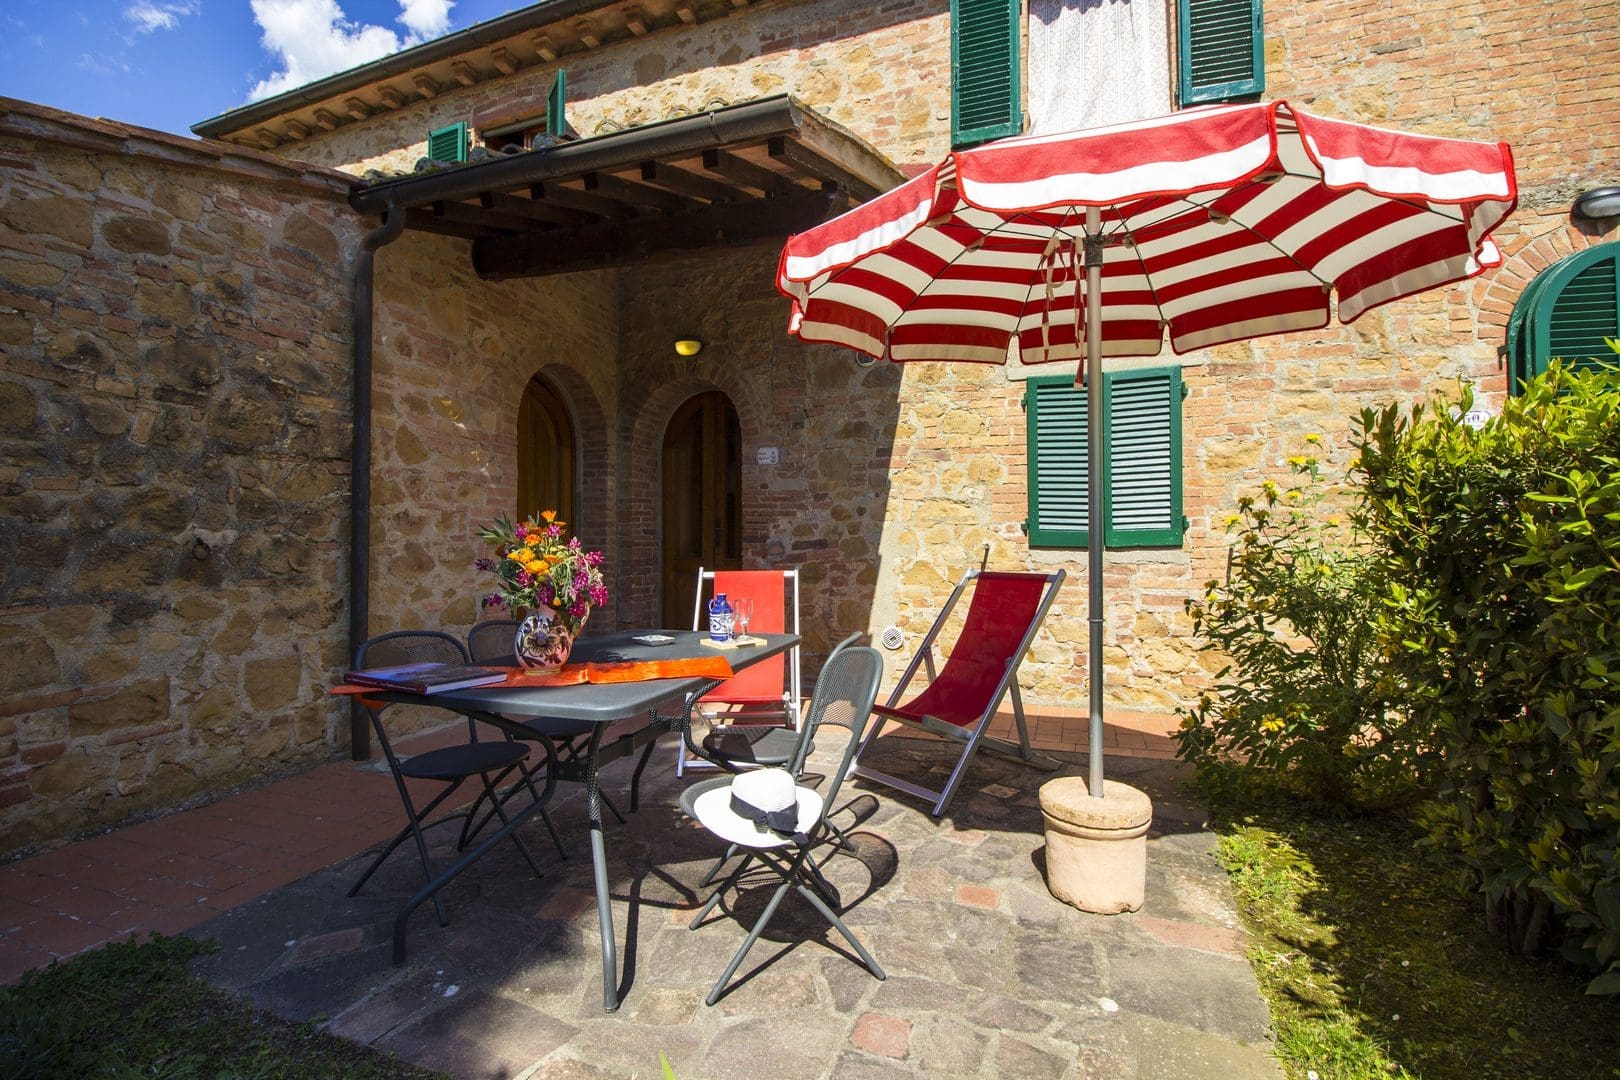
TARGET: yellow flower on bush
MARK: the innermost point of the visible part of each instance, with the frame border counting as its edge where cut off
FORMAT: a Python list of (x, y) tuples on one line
[(1313, 438)]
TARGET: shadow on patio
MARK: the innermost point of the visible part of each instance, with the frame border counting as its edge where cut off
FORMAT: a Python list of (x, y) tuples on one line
[(988, 974)]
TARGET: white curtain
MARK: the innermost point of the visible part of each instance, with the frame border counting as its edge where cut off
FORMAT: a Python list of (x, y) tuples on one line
[(1095, 62)]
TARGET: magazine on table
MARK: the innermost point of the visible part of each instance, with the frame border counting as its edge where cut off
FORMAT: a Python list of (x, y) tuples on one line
[(430, 677)]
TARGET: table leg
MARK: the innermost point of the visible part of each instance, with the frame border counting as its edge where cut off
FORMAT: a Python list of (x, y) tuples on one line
[(604, 902)]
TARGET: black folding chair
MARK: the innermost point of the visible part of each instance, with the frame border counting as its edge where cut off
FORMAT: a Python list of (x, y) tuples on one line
[(491, 762), (490, 642), (843, 697)]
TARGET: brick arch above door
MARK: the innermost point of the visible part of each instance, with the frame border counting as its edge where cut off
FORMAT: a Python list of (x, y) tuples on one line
[(645, 421)]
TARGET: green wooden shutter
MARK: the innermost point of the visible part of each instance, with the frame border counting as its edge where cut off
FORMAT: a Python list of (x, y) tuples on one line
[(986, 100), (1219, 50), (1142, 473), (1056, 453), (1567, 312), (1141, 460), (448, 144)]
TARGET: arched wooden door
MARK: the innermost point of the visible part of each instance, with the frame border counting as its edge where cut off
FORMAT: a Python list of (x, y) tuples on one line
[(702, 485), (545, 454)]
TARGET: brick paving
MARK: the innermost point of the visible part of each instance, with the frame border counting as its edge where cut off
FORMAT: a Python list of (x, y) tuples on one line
[(989, 976)]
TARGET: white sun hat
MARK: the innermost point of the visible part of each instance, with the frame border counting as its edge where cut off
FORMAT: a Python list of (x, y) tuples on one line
[(730, 812)]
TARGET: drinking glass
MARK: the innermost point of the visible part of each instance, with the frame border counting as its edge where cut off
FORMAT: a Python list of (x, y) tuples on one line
[(743, 607)]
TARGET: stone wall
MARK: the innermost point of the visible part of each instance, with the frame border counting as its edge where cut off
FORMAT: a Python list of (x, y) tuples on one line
[(949, 479), (453, 355), (882, 71), (175, 334)]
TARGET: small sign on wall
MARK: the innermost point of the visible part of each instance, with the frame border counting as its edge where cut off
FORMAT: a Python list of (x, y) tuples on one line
[(767, 455)]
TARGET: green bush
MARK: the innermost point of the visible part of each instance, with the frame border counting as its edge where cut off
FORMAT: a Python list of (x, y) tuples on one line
[(1307, 694), (1501, 547)]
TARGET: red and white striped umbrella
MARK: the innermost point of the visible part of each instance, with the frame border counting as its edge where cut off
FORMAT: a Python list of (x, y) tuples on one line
[(1218, 224)]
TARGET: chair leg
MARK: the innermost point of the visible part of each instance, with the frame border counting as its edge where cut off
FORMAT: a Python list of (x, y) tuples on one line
[(720, 890), (838, 924), (413, 828), (748, 943), (718, 863), (495, 799)]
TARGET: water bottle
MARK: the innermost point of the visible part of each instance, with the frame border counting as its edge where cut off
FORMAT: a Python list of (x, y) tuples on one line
[(720, 618)]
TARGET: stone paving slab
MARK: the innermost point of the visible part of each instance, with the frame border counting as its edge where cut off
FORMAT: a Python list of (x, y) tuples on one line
[(988, 974)]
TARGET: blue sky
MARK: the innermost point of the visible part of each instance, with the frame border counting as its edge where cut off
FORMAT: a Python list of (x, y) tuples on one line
[(167, 64)]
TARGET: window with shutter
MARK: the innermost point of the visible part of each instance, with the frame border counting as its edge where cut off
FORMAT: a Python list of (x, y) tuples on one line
[(1219, 50), (1141, 460), (448, 144), (986, 97), (1567, 311)]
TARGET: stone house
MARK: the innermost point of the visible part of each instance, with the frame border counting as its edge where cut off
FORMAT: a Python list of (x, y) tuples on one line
[(181, 362)]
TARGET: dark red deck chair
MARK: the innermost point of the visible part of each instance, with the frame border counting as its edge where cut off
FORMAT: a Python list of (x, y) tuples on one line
[(766, 694), (964, 694)]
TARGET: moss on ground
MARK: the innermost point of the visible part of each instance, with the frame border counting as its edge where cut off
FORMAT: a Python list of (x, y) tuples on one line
[(133, 1010)]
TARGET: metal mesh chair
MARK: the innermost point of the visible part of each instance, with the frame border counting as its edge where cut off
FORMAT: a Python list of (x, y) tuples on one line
[(490, 642), (843, 697), (792, 757), (491, 762)]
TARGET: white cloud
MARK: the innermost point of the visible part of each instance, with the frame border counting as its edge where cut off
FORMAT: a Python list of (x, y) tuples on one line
[(314, 38), (425, 18), (150, 15)]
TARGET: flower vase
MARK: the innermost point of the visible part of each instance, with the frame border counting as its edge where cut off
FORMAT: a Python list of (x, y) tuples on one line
[(544, 640)]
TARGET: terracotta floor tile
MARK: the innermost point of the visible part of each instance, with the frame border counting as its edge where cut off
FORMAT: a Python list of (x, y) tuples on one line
[(62, 936)]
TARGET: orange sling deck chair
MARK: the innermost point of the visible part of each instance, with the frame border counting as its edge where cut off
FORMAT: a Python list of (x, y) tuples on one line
[(766, 691), (962, 697)]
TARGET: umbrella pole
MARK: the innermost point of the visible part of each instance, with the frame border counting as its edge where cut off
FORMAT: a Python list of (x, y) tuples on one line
[(1093, 247)]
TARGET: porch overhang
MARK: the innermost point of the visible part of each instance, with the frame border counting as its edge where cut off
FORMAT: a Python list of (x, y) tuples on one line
[(742, 174)]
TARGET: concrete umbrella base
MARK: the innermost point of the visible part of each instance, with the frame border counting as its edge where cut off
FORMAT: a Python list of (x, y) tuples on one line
[(1096, 849)]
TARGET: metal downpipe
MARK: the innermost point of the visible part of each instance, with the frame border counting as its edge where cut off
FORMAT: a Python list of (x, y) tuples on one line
[(360, 459)]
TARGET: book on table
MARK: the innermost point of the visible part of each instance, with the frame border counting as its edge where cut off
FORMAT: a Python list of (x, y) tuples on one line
[(427, 677)]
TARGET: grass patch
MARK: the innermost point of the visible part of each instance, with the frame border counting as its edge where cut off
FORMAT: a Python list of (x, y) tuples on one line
[(134, 1010), (1375, 961)]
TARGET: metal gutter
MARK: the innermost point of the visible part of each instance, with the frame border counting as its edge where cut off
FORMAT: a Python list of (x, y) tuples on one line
[(489, 32), (751, 120)]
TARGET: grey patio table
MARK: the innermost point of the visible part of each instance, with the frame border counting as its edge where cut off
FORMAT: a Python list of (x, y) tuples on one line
[(506, 707)]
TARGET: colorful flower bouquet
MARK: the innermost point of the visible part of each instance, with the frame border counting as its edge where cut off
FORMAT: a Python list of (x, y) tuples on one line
[(538, 568)]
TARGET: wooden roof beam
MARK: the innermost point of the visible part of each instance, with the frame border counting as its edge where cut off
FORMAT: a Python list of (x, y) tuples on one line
[(534, 210), (691, 184), (742, 171), (628, 191), (575, 199), (596, 247), (824, 169), (503, 60)]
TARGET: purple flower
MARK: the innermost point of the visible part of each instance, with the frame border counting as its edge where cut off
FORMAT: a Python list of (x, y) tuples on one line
[(484, 564), (524, 578), (521, 532), (577, 609), (593, 558), (495, 600)]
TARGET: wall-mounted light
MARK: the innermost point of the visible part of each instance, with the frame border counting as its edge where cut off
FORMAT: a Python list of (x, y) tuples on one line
[(863, 359), (688, 347), (1603, 202)]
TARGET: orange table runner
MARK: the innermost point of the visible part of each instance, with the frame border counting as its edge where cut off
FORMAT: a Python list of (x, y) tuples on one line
[(709, 667)]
